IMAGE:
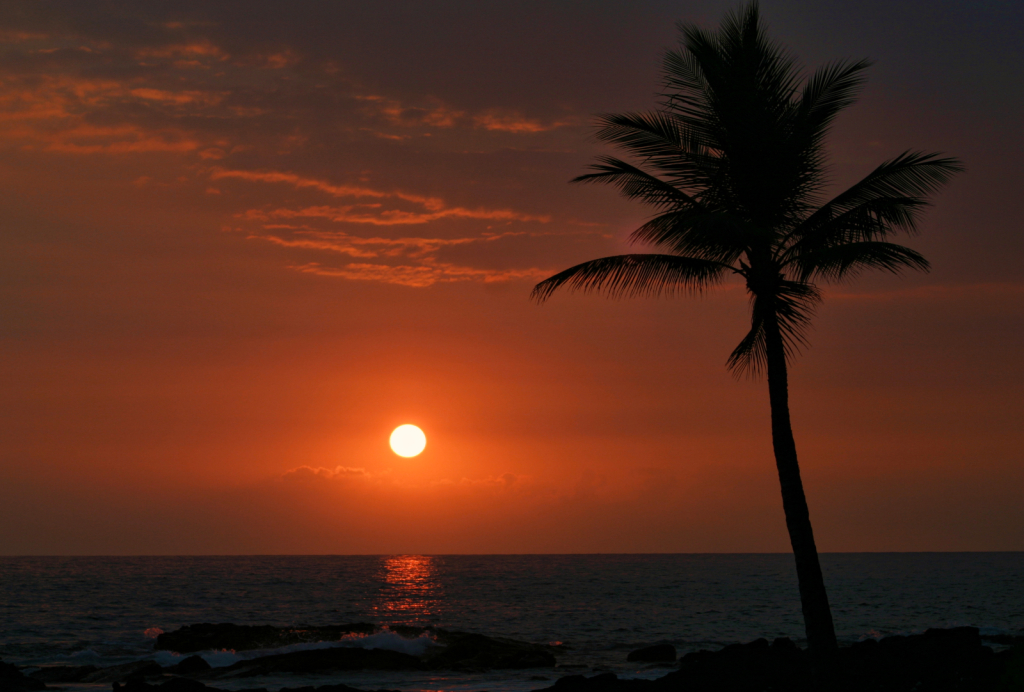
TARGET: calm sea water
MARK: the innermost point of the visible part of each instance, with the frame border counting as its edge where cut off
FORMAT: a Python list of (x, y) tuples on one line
[(80, 610)]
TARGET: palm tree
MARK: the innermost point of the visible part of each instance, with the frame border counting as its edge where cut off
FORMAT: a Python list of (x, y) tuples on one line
[(733, 164)]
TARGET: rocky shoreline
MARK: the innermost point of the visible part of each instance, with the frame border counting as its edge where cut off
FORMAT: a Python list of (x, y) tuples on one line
[(940, 660)]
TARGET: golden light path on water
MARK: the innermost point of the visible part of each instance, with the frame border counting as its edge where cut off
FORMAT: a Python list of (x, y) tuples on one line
[(411, 592)]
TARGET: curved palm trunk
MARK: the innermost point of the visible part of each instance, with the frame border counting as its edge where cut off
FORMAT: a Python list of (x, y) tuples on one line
[(821, 635)]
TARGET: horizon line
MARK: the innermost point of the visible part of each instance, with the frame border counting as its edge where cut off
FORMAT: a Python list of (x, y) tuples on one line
[(608, 554)]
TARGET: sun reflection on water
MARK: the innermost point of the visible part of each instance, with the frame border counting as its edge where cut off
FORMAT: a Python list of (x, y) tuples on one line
[(410, 590)]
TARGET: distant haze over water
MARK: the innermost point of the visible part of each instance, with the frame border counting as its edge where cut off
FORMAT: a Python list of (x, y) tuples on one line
[(78, 610)]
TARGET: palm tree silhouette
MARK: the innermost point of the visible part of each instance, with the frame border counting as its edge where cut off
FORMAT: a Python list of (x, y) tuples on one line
[(733, 163)]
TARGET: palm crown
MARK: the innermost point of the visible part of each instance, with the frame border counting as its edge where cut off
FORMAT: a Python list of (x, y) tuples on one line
[(733, 163)]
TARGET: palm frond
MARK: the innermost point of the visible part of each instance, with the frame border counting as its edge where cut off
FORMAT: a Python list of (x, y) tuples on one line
[(911, 176), (647, 135), (869, 221), (793, 306), (695, 231), (663, 141), (750, 357), (635, 183), (634, 275), (825, 94), (685, 87), (873, 218), (829, 90), (845, 261)]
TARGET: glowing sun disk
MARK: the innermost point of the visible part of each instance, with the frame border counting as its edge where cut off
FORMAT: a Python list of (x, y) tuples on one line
[(408, 440)]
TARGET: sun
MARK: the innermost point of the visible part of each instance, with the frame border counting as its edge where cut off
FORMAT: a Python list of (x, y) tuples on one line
[(408, 440)]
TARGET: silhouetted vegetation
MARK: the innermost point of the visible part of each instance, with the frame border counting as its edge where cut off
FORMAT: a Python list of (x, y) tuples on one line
[(733, 163)]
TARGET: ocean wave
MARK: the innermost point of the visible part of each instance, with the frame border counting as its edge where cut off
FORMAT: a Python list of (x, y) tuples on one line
[(385, 639)]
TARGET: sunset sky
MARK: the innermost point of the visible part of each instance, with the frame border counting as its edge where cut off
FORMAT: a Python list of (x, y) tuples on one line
[(241, 242)]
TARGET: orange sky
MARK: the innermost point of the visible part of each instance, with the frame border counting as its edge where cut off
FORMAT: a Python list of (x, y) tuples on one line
[(241, 245)]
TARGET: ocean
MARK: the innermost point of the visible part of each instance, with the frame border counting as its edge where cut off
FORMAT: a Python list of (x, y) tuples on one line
[(107, 610)]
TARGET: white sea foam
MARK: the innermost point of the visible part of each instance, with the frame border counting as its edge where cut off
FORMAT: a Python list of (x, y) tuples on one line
[(222, 659), (391, 641)]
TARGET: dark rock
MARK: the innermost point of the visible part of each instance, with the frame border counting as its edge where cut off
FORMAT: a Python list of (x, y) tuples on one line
[(178, 685), (653, 654), (756, 665), (124, 671), (13, 680), (189, 666), (206, 637), (758, 647), (327, 688), (569, 682), (953, 659), (786, 646), (937, 661), (476, 651), (321, 661), (604, 682), (1013, 668), (63, 673), (864, 646), (184, 685), (137, 684)]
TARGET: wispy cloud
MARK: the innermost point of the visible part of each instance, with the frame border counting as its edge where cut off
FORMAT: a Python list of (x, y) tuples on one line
[(176, 97), (433, 113), (513, 122), (15, 36), (184, 55), (370, 214), (418, 264), (419, 276), (503, 484), (432, 208), (315, 473), (358, 246), (297, 181)]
